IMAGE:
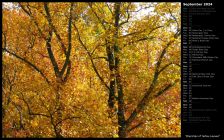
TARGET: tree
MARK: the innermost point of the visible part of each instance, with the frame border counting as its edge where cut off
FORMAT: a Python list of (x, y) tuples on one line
[(45, 34), (113, 51)]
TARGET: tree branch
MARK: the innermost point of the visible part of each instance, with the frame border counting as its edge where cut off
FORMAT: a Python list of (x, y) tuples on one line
[(53, 27), (97, 48), (29, 63), (67, 72), (101, 22), (141, 8), (138, 32), (109, 8), (127, 11), (29, 13), (136, 126), (19, 108), (146, 97), (30, 112), (167, 65), (90, 56), (141, 39), (165, 89), (175, 19), (51, 55), (67, 61), (67, 118)]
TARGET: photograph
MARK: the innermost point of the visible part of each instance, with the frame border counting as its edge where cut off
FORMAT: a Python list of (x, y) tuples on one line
[(91, 69)]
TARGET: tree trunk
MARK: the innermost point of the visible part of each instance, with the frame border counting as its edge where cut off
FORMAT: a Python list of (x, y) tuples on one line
[(58, 108), (121, 110), (111, 100)]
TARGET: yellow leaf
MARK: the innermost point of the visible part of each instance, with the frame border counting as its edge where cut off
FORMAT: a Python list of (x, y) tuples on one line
[(115, 136)]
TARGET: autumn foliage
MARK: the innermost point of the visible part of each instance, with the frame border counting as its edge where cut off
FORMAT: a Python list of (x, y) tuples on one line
[(91, 69)]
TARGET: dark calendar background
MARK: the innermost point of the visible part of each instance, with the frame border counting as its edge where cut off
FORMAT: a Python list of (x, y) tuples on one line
[(202, 70)]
